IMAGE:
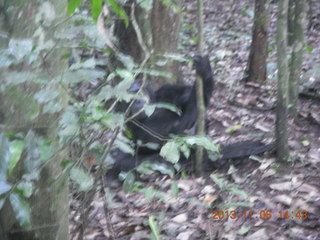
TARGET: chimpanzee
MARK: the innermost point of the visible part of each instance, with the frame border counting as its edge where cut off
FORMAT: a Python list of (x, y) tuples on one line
[(164, 122)]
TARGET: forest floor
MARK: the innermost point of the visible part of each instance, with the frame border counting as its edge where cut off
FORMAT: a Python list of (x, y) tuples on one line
[(270, 199)]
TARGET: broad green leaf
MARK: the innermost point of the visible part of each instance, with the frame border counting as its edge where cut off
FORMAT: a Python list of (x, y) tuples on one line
[(129, 182), (46, 150), (185, 150), (46, 95), (149, 167), (96, 6), (127, 61), (119, 11), (113, 120), (149, 109), (16, 148), (124, 146), (4, 157), (151, 145), (4, 187), (21, 209), (84, 180), (125, 75), (72, 5), (81, 75), (170, 152), (19, 48), (87, 64), (156, 73), (14, 78), (69, 125), (26, 188), (202, 141), (52, 107)]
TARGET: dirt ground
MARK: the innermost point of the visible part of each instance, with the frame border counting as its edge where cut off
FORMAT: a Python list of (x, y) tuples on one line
[(255, 198)]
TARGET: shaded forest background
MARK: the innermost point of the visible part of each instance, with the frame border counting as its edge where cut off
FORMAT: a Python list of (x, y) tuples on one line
[(65, 70)]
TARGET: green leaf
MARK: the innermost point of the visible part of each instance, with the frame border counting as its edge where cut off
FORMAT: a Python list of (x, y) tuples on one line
[(176, 57), (218, 181), (148, 167), (149, 108), (129, 182), (46, 151), (127, 61), (4, 157), (243, 230), (84, 180), (233, 128), (72, 5), (170, 152), (204, 141), (4, 187), (16, 148), (174, 189), (46, 95), (119, 11), (69, 125), (14, 78), (124, 146), (156, 73), (185, 150), (309, 48), (26, 188), (305, 143), (239, 192), (154, 227), (87, 64), (21, 209), (19, 48), (96, 6), (81, 75)]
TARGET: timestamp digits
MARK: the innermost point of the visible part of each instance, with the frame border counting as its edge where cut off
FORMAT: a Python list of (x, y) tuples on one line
[(263, 214)]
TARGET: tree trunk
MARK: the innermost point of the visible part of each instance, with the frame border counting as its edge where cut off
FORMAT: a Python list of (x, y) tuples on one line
[(200, 98), (160, 31), (257, 68), (282, 62), (297, 55), (49, 202), (291, 21)]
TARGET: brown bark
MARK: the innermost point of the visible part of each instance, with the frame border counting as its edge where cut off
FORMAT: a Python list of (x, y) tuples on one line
[(200, 98), (283, 76), (298, 41), (160, 32), (256, 68)]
